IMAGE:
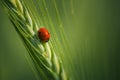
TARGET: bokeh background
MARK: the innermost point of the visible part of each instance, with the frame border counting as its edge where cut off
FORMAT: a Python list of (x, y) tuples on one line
[(92, 32)]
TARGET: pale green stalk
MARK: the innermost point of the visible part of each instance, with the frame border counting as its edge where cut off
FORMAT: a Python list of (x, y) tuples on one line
[(46, 63)]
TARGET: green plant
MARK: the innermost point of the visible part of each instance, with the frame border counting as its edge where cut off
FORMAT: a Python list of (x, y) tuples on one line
[(43, 56)]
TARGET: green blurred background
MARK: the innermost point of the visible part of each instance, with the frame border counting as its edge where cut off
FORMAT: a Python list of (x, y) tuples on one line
[(92, 30)]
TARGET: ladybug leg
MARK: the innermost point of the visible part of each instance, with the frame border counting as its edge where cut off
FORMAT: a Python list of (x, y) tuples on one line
[(47, 40)]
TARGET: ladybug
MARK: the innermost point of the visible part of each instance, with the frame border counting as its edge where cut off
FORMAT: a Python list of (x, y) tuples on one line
[(43, 35)]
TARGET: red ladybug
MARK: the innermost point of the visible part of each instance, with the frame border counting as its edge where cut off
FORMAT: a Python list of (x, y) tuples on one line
[(43, 34)]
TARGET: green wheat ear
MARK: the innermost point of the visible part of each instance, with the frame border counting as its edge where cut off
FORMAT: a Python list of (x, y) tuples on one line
[(48, 66)]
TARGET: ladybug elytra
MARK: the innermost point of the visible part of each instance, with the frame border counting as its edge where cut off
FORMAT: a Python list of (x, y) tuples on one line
[(43, 34)]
